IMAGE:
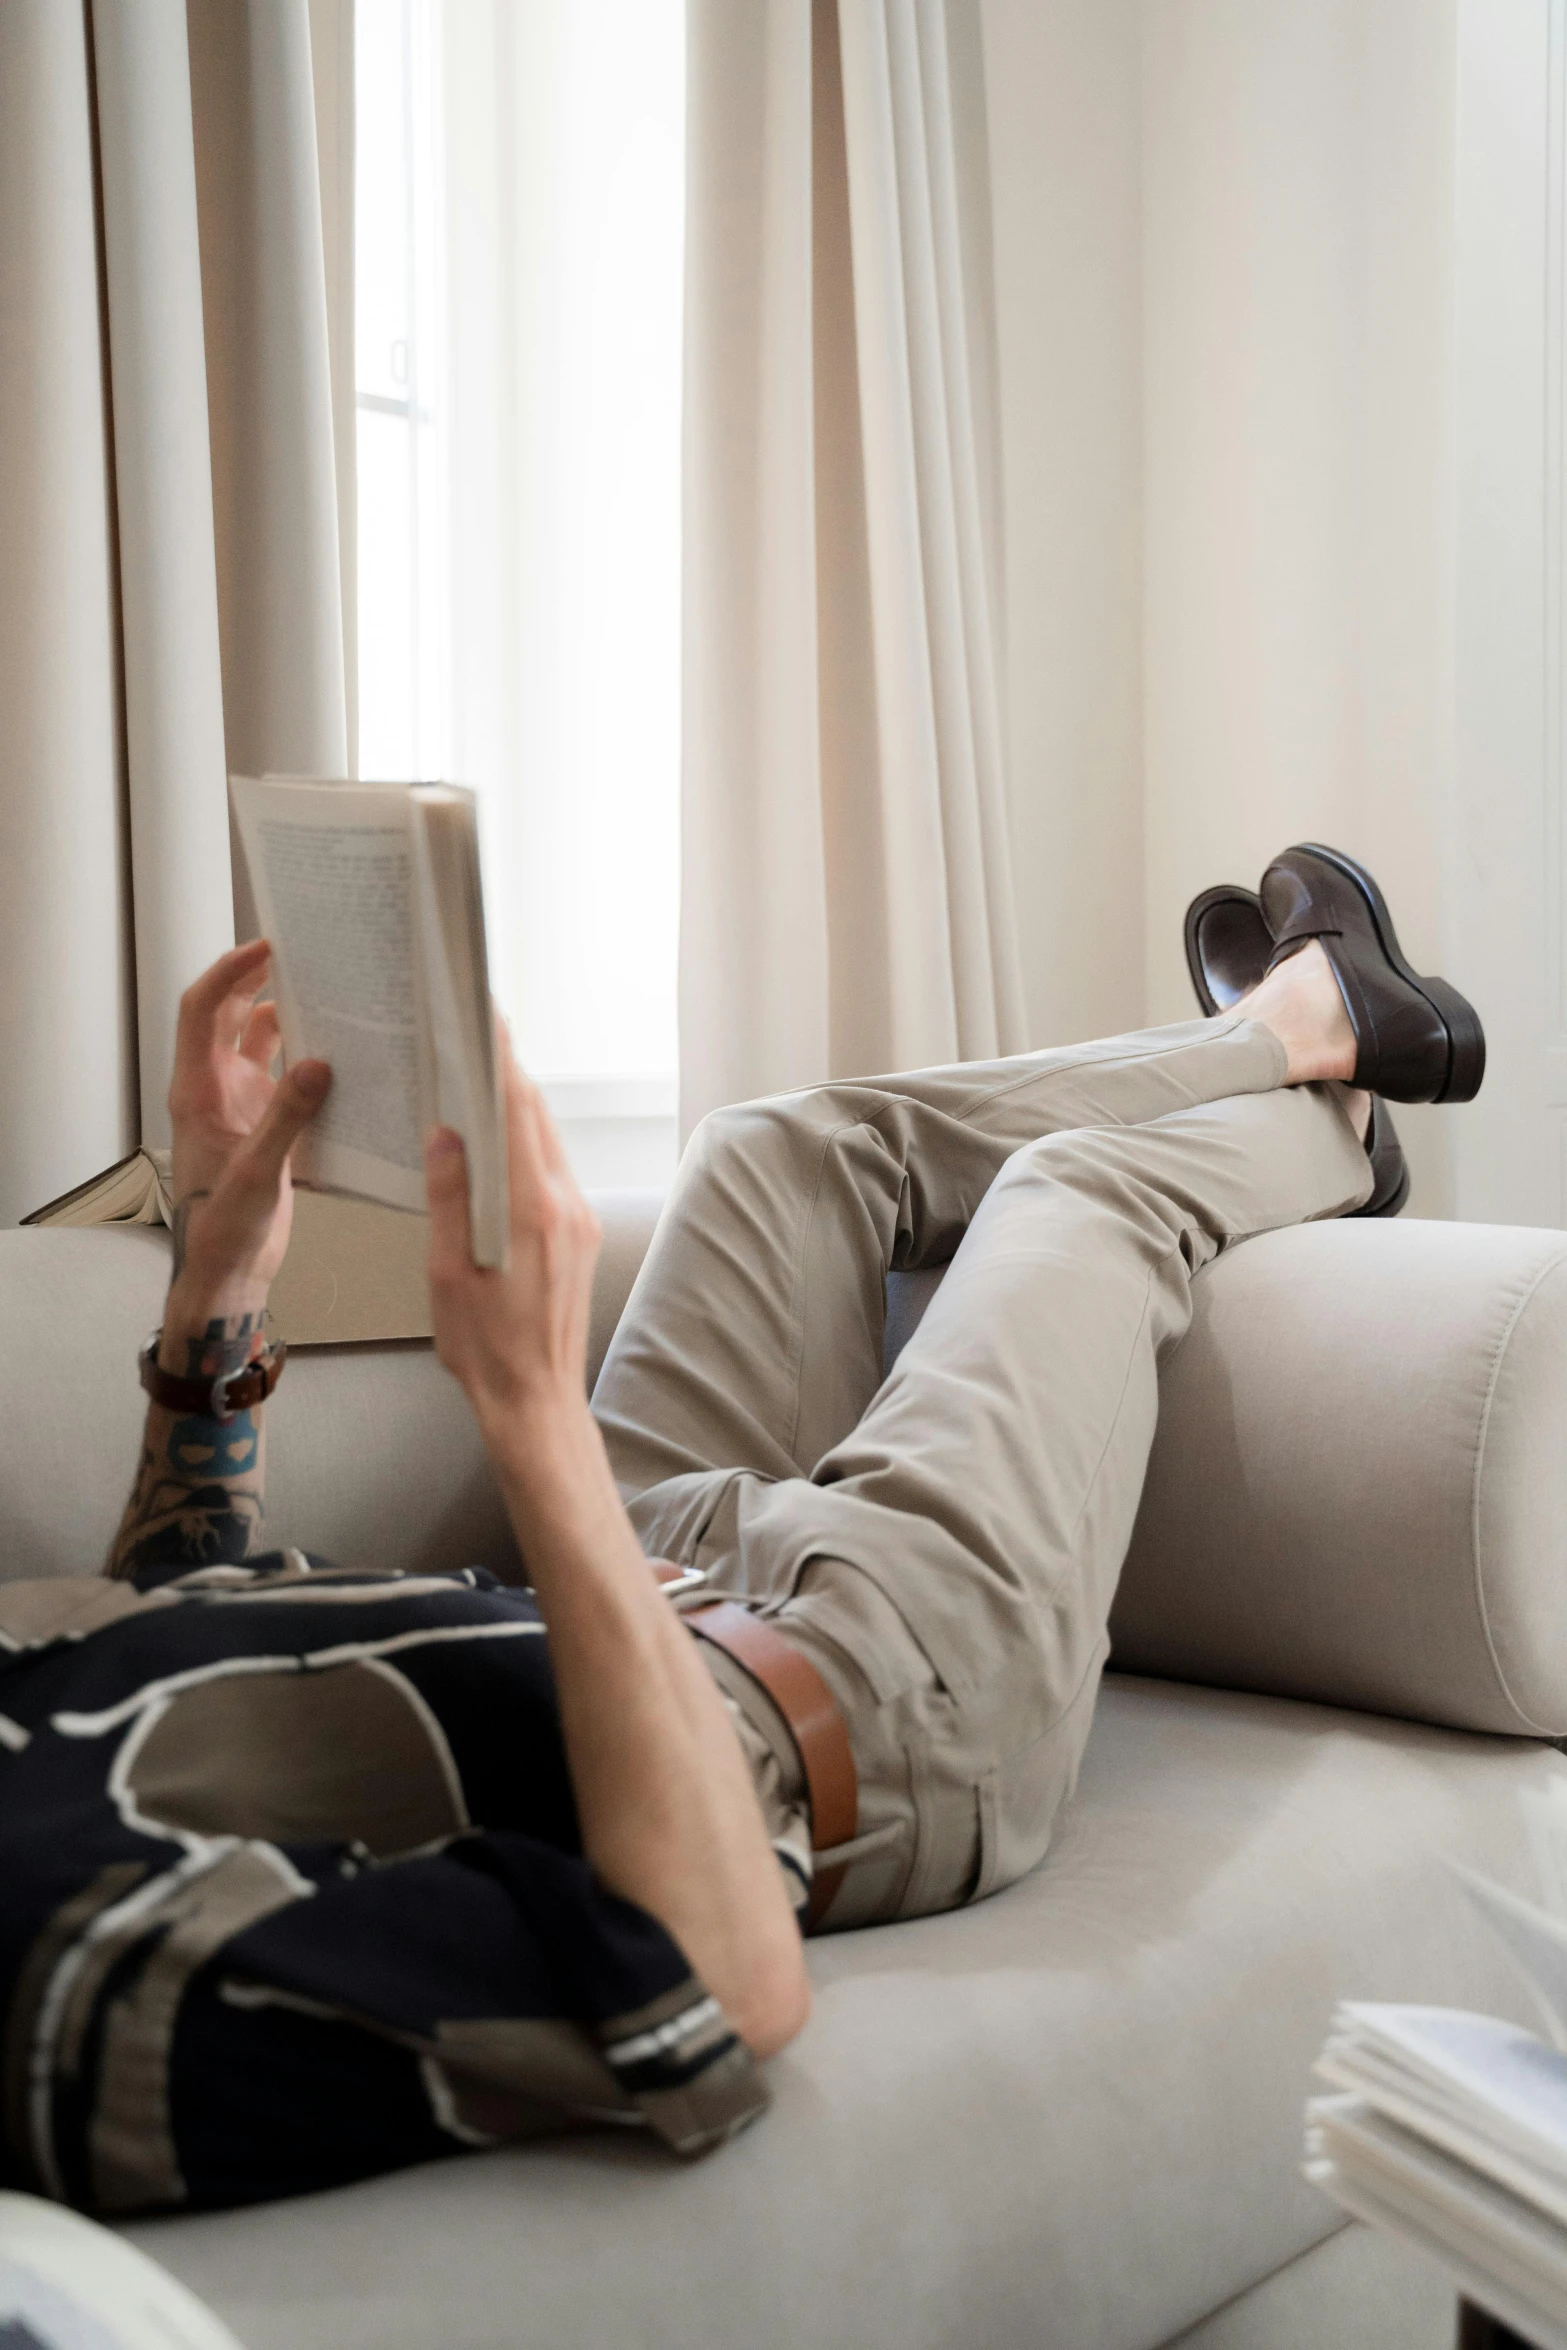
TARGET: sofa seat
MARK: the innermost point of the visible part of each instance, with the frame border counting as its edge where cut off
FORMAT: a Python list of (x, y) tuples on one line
[(1069, 2117)]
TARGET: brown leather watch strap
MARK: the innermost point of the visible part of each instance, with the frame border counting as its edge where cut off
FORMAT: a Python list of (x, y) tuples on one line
[(806, 1703), (212, 1399)]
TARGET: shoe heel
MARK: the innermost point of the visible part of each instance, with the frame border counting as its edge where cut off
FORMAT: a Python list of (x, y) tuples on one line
[(1466, 1066)]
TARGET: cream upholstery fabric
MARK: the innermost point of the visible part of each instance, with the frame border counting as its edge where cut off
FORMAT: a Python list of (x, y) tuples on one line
[(1360, 2290), (1359, 1487), (1070, 2117)]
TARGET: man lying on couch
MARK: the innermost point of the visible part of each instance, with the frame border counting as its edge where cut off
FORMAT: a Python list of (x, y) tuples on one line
[(306, 1872)]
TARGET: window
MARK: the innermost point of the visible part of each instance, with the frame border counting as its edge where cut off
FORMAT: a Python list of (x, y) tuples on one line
[(399, 339), (519, 223)]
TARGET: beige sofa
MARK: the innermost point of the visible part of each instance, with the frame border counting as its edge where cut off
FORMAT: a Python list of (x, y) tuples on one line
[(1069, 2117)]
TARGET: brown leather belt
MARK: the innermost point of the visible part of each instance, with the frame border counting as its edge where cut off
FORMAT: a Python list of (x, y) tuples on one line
[(806, 1703)]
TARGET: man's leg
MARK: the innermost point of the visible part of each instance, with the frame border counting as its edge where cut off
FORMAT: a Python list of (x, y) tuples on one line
[(753, 1339), (988, 1495), (949, 1560)]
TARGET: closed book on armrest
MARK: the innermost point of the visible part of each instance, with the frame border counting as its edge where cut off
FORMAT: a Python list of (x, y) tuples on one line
[(355, 1271)]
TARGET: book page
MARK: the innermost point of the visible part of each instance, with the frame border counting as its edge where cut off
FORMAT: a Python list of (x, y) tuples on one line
[(1504, 2257), (462, 1024), (1471, 2082), (333, 875)]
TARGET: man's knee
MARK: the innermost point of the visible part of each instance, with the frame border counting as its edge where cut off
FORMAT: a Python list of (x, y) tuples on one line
[(741, 1135), (787, 1133)]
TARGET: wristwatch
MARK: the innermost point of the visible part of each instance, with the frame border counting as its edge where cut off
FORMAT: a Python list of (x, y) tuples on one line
[(222, 1398)]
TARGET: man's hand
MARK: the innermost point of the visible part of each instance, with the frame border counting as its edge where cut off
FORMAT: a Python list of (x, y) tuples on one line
[(516, 1339), (233, 1130), (197, 1499)]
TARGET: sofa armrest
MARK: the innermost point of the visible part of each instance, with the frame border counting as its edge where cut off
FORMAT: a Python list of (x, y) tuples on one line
[(1358, 1491), (373, 1457)]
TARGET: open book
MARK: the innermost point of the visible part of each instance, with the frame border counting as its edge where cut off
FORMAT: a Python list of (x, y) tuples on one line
[(1450, 2129), (371, 897)]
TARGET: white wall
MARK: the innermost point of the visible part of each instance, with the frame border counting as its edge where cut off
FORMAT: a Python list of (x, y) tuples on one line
[(1298, 203), (1225, 262), (1508, 885)]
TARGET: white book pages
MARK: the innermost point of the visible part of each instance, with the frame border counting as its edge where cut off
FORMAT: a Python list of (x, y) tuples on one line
[(1500, 2236), (1396, 2199), (1478, 2073), (457, 996), (1455, 2123), (332, 871), (372, 898)]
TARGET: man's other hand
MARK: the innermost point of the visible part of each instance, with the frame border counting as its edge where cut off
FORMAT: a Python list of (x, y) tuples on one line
[(516, 1338), (234, 1127)]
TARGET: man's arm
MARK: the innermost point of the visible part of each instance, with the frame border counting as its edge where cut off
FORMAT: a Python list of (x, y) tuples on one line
[(197, 1497), (669, 1814), (670, 1818)]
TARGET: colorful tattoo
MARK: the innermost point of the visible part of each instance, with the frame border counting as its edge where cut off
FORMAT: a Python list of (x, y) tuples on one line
[(197, 1499)]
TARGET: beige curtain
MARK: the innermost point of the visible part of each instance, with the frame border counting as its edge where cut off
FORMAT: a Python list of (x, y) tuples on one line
[(847, 893), (170, 600)]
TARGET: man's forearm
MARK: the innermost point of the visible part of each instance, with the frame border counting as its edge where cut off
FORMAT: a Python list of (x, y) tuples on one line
[(197, 1498), (669, 1814)]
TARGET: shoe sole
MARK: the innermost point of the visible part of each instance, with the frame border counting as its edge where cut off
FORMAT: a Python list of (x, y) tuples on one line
[(1465, 1036)]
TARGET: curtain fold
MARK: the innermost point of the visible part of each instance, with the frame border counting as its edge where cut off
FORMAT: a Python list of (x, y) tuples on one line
[(269, 383), (67, 1054), (847, 894), (170, 600), (181, 892)]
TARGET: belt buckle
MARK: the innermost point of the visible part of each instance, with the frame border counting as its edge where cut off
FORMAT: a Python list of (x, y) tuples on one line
[(685, 1590)]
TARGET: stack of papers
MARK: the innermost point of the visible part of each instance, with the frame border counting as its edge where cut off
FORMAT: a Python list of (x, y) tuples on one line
[(1450, 2129)]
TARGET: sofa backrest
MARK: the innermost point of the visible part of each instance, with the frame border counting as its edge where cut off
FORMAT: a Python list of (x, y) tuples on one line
[(373, 1456), (1358, 1492)]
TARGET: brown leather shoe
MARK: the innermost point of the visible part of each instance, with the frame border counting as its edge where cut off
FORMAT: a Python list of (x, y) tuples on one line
[(1228, 945), (1418, 1039), (1228, 949)]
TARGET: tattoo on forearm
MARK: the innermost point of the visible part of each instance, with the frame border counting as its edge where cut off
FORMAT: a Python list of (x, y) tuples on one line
[(197, 1499)]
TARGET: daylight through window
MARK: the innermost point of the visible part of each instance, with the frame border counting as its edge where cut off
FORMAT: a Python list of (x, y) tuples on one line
[(519, 222)]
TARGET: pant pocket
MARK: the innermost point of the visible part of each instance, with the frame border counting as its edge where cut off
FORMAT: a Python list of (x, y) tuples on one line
[(1020, 1799)]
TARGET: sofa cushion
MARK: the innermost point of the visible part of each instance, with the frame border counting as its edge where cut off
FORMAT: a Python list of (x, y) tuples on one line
[(1071, 2115), (1358, 1485)]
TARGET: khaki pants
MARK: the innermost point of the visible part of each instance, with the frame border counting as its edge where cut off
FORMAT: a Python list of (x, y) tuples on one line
[(944, 1542)]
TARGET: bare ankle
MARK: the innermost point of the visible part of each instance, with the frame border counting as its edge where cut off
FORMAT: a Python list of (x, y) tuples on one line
[(1300, 1003)]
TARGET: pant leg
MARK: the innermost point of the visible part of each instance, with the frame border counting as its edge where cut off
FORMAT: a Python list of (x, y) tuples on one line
[(950, 1561), (950, 1564), (753, 1338)]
